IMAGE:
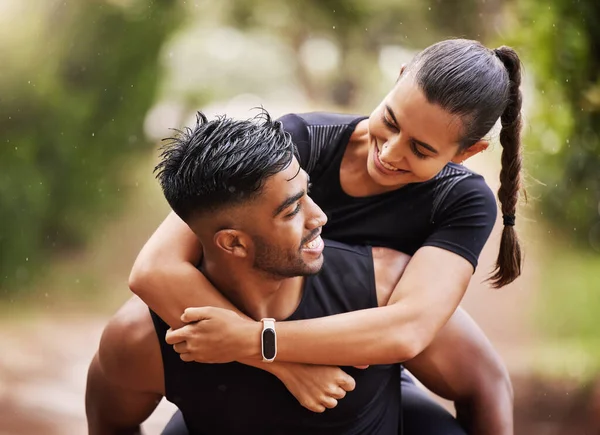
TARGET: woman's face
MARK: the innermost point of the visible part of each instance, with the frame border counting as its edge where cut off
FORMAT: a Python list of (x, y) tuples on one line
[(411, 140)]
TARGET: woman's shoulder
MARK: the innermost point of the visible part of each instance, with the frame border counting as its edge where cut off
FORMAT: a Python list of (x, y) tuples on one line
[(317, 131), (319, 119), (457, 186)]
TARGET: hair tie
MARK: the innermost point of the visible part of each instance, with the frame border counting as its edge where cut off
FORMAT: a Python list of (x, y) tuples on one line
[(509, 220)]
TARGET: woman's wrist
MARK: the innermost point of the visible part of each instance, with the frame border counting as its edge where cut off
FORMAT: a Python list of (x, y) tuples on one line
[(251, 341)]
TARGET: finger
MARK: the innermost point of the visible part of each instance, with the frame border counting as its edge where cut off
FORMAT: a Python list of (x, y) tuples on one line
[(329, 402), (347, 382), (361, 367), (194, 314), (176, 336), (187, 357), (316, 407), (338, 393), (181, 347)]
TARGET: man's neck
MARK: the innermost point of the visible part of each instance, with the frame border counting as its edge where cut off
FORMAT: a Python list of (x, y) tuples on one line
[(256, 293)]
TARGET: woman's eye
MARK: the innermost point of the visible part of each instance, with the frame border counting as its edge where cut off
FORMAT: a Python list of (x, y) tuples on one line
[(416, 152), (388, 123)]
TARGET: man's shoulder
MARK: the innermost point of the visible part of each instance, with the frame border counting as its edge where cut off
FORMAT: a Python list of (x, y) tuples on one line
[(383, 267), (129, 352)]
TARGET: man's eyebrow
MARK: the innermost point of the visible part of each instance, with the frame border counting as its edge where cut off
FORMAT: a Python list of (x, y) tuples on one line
[(421, 143), (289, 201)]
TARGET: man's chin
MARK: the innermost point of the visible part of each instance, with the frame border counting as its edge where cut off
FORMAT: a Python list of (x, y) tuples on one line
[(314, 267)]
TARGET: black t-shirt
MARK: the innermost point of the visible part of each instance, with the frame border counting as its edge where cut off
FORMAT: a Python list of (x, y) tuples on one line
[(455, 210), (231, 399)]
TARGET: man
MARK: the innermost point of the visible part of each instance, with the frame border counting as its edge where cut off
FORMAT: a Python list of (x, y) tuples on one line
[(239, 187)]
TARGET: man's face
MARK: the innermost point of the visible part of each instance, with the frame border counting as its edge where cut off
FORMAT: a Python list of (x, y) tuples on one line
[(286, 226)]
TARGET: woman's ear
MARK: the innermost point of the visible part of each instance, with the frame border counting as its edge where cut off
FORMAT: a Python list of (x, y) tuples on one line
[(476, 148), (402, 69), (233, 242)]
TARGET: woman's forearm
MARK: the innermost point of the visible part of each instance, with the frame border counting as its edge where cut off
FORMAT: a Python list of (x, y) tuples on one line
[(164, 275), (421, 303), (371, 336), (172, 288)]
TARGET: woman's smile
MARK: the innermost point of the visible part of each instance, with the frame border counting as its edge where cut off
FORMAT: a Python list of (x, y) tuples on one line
[(383, 167)]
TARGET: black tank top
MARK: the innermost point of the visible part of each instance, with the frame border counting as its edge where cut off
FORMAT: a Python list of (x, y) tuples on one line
[(222, 399)]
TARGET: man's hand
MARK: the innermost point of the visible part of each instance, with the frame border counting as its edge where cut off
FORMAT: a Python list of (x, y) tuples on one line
[(215, 335), (316, 387)]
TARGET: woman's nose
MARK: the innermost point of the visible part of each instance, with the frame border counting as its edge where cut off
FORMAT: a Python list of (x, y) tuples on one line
[(392, 150)]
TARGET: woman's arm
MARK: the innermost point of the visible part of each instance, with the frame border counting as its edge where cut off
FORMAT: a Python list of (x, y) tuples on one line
[(165, 277), (429, 291)]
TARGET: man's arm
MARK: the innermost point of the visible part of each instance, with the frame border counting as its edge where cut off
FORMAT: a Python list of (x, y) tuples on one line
[(461, 365), (125, 378), (112, 409)]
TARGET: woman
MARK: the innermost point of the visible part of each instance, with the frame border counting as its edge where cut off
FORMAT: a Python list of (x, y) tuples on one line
[(393, 180)]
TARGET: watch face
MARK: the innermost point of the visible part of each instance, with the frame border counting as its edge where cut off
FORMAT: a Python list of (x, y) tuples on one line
[(268, 342)]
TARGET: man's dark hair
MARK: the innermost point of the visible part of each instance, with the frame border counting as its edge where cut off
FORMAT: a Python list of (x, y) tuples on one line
[(222, 162)]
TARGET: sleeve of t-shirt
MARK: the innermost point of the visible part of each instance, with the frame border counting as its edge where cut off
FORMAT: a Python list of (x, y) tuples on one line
[(297, 128), (465, 219)]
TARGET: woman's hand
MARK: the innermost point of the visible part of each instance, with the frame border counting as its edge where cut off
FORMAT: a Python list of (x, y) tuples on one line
[(316, 387), (215, 335)]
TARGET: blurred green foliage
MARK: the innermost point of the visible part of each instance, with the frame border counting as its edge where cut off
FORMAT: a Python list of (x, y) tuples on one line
[(82, 76), (560, 41), (359, 29)]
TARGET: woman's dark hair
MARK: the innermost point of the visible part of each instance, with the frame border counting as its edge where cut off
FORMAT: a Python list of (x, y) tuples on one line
[(481, 85), (222, 162)]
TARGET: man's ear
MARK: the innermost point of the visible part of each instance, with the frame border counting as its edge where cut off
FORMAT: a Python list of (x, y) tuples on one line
[(476, 148), (233, 242)]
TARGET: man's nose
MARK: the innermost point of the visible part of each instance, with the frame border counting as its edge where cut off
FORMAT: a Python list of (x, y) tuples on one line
[(317, 216)]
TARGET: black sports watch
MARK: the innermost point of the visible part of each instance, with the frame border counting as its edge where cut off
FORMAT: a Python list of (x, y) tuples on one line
[(268, 340)]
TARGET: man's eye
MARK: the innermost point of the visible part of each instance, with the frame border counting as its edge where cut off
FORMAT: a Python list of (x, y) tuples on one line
[(296, 211)]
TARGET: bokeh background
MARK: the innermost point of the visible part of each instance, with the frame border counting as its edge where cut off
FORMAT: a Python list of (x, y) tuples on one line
[(89, 87)]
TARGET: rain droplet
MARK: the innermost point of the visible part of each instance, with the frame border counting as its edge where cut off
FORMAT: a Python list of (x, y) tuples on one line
[(93, 134), (333, 27)]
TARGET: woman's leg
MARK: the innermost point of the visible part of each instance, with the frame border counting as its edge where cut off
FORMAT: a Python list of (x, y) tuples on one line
[(176, 426), (421, 415)]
